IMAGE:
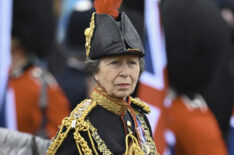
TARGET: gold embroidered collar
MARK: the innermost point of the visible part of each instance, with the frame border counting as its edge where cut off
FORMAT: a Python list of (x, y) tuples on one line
[(115, 105)]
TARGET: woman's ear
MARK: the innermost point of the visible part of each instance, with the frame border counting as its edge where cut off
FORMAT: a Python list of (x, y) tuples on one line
[(96, 77)]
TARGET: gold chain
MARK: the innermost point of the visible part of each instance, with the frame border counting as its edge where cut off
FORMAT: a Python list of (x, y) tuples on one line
[(100, 143)]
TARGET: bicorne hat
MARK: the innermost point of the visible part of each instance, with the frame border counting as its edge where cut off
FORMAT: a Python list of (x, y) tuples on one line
[(111, 33)]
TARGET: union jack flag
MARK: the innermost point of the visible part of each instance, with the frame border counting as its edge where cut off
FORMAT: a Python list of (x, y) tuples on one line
[(152, 87)]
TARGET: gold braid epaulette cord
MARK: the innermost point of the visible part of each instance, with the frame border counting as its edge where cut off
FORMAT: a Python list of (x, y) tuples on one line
[(145, 107), (89, 34), (75, 121)]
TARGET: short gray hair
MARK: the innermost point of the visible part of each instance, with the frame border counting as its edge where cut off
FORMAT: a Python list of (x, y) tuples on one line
[(92, 66)]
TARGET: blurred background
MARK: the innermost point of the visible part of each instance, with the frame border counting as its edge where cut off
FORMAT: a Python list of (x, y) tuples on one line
[(188, 79)]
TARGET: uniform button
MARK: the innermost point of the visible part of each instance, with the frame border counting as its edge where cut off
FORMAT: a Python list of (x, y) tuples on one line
[(129, 124)]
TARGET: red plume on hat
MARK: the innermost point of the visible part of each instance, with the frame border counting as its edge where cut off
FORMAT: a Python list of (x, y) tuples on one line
[(108, 7)]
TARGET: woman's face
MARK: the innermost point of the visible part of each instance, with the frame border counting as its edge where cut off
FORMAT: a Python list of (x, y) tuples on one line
[(118, 75)]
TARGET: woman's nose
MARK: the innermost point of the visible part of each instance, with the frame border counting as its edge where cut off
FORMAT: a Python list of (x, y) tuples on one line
[(124, 70)]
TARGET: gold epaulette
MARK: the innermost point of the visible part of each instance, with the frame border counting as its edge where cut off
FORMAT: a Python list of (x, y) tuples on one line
[(145, 107), (76, 121)]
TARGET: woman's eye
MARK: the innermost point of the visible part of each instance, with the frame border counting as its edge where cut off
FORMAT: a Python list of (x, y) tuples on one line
[(114, 62), (132, 62)]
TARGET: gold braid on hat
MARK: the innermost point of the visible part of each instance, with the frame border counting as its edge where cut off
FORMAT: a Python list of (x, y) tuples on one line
[(88, 35), (102, 7)]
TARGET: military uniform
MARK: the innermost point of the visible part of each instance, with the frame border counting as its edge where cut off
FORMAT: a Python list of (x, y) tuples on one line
[(194, 125), (40, 103), (105, 125), (197, 39)]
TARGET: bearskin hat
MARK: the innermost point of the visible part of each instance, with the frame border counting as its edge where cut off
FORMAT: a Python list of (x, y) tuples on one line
[(33, 25), (196, 36)]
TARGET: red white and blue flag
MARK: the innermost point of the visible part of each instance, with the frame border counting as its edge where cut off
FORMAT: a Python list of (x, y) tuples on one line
[(152, 87)]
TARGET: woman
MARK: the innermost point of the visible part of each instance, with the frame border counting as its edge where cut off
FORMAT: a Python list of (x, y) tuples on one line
[(110, 122)]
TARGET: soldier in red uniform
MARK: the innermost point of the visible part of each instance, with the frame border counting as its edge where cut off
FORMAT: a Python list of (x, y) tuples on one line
[(40, 103), (196, 40)]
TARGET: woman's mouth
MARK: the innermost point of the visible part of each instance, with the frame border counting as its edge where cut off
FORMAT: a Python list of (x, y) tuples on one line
[(123, 85)]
